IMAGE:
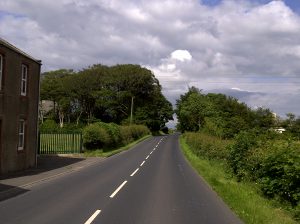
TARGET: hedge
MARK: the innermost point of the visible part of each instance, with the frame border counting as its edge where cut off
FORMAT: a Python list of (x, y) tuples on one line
[(107, 136), (270, 161)]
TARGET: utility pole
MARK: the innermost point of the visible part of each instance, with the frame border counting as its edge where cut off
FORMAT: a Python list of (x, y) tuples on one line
[(131, 110)]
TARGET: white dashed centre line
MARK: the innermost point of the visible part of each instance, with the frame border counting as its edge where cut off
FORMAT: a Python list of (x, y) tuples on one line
[(151, 152), (147, 157), (91, 219), (118, 189), (142, 163), (134, 172)]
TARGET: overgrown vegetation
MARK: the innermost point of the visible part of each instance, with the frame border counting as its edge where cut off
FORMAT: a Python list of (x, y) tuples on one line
[(243, 197), (273, 165), (246, 141), (104, 93), (107, 136)]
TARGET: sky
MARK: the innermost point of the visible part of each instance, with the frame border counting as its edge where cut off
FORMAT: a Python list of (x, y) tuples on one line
[(248, 48)]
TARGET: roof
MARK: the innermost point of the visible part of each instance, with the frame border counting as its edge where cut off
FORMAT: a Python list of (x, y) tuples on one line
[(12, 47)]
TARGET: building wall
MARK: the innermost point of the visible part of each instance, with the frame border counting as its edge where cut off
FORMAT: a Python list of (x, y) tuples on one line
[(14, 107)]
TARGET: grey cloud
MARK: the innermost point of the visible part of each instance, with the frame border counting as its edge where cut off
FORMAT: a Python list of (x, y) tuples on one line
[(229, 43)]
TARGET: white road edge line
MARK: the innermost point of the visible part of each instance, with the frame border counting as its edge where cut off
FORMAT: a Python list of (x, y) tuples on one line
[(147, 157), (142, 163), (91, 219), (134, 172), (118, 189)]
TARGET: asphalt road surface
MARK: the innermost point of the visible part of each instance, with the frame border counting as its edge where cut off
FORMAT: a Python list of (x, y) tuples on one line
[(150, 184)]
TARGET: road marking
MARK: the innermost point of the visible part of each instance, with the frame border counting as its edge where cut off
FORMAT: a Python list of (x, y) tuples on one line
[(151, 152), (118, 189), (134, 172), (147, 157), (91, 219), (142, 163)]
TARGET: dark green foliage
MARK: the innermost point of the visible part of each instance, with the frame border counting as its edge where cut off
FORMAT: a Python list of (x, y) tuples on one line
[(263, 157), (107, 136), (240, 150), (207, 146), (165, 130), (113, 130), (138, 131), (95, 137), (107, 93), (279, 170), (218, 114), (49, 125)]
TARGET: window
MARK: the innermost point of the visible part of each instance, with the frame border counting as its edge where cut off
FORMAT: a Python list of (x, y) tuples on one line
[(24, 80), (21, 143), (1, 70)]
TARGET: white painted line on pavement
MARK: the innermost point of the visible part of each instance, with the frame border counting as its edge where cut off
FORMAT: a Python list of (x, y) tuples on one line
[(118, 189), (151, 152), (142, 163), (91, 219), (147, 157), (134, 172)]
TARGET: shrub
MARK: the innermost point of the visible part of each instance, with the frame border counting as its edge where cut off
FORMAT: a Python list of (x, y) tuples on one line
[(126, 135), (95, 137), (49, 125), (138, 131), (204, 145), (113, 130), (280, 172), (244, 142)]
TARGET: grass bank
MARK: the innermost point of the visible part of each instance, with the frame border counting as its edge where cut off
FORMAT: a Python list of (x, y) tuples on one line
[(243, 198), (101, 153)]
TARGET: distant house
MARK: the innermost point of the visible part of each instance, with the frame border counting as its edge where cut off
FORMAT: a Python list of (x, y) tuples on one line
[(19, 99)]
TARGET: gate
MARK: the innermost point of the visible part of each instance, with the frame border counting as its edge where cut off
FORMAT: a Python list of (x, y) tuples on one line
[(60, 142)]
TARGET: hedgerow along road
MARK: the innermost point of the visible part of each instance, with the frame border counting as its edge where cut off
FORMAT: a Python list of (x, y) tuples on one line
[(151, 183)]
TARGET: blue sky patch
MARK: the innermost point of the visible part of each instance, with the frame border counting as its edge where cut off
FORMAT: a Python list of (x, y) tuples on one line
[(5, 13), (293, 4)]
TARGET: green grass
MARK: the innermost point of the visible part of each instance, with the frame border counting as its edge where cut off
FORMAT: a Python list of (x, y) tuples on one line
[(243, 198), (101, 153)]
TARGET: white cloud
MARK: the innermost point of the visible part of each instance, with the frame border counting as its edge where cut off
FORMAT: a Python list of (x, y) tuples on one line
[(239, 44), (181, 55)]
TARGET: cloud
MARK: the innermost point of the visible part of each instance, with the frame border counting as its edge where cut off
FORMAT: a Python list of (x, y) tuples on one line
[(181, 55), (229, 44)]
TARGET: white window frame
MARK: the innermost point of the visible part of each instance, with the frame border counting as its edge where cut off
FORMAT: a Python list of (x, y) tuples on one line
[(24, 79), (21, 134), (1, 70)]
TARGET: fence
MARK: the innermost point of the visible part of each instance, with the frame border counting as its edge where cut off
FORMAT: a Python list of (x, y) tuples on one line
[(60, 142)]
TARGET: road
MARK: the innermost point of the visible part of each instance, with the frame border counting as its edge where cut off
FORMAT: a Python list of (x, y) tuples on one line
[(151, 183)]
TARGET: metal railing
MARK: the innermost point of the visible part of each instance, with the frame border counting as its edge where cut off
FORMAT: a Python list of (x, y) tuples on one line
[(60, 142)]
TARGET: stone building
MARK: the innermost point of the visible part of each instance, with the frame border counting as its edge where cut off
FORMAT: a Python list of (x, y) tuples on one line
[(19, 99)]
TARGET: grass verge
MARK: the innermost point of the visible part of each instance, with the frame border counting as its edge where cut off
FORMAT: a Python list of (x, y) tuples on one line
[(100, 153), (242, 198)]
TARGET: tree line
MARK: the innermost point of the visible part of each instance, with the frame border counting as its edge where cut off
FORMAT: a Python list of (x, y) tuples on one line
[(115, 94), (225, 116)]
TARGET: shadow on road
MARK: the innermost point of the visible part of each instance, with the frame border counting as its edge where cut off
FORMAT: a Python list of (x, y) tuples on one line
[(44, 164), (7, 191)]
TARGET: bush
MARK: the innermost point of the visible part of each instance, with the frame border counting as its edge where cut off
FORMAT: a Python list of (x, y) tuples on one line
[(280, 172), (239, 151), (271, 162), (138, 131), (95, 137), (113, 130), (207, 146), (106, 136), (49, 125), (126, 135)]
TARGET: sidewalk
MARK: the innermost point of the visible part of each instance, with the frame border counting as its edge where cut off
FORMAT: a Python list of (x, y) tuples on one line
[(48, 167)]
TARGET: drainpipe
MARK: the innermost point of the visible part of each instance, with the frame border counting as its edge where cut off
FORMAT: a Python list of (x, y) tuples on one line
[(37, 123)]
